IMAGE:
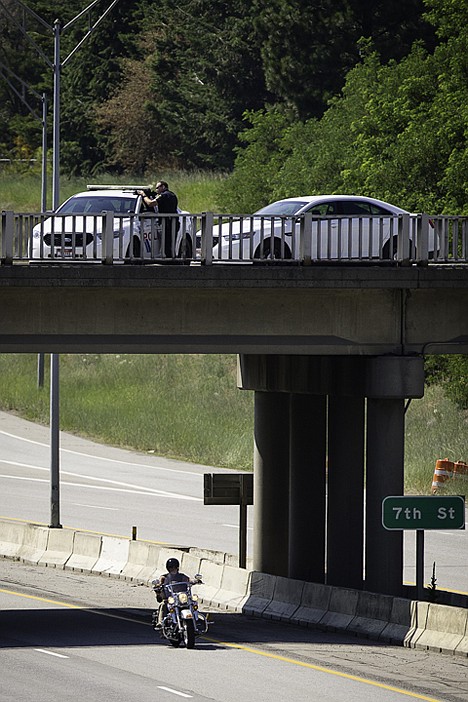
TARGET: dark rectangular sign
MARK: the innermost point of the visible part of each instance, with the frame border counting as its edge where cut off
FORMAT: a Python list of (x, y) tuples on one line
[(423, 512), (228, 488)]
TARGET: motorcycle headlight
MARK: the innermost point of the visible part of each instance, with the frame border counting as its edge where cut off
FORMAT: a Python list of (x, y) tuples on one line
[(195, 598), (183, 598), (171, 600)]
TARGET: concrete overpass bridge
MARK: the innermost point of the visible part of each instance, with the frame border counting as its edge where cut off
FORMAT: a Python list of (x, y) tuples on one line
[(332, 354)]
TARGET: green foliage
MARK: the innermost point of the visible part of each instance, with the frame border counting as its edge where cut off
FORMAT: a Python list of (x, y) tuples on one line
[(454, 375), (435, 368), (450, 372), (251, 183), (166, 86), (321, 150), (448, 16), (205, 70), (88, 76), (308, 47), (457, 380), (397, 132)]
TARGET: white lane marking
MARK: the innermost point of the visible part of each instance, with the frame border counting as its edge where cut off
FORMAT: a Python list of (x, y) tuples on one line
[(78, 504), (104, 480), (236, 526), (101, 458), (174, 692), (50, 653), (133, 491)]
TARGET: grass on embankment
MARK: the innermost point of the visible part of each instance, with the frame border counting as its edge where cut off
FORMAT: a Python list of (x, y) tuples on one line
[(189, 407), (181, 406), (197, 192)]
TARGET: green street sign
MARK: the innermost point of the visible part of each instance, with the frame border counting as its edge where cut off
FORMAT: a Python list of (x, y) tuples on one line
[(423, 512)]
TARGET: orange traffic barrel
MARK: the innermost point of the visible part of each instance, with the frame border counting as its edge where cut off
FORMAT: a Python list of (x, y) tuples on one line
[(460, 470), (443, 471)]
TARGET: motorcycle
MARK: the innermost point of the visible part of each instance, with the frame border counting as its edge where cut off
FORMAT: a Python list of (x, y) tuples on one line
[(182, 621)]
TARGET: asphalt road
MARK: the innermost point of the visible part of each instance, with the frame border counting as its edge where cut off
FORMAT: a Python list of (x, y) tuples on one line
[(65, 636), (111, 490)]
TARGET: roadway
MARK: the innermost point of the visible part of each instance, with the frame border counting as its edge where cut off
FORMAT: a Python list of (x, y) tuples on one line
[(63, 634), (110, 490)]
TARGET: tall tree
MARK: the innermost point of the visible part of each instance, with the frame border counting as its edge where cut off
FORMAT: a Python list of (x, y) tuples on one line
[(309, 45), (204, 70), (87, 79), (91, 77)]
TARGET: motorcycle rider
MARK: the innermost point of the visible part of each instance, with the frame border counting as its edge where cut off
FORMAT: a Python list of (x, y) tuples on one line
[(172, 576)]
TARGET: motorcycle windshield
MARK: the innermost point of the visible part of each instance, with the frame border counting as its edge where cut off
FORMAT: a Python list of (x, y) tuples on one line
[(177, 587)]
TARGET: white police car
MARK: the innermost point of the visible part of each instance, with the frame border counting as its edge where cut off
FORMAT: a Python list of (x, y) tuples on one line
[(75, 232)]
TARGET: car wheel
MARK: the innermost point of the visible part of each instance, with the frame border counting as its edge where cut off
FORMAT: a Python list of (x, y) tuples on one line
[(390, 254), (264, 251), (387, 256), (186, 251), (133, 251)]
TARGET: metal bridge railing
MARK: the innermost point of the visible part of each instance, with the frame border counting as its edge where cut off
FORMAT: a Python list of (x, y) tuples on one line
[(211, 238)]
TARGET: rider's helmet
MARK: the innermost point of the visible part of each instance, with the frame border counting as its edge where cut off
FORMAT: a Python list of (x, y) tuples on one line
[(172, 563)]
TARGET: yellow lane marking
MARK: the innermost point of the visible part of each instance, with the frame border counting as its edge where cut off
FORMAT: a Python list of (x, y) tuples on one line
[(321, 669), (247, 649), (72, 606), (39, 599)]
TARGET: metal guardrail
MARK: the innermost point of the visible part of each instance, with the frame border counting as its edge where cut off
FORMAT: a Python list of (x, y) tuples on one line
[(209, 238)]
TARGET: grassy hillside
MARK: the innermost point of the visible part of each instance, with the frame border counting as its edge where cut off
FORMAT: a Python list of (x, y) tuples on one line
[(189, 407), (181, 406)]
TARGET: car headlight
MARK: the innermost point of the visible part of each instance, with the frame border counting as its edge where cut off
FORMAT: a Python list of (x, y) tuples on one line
[(236, 236), (116, 233)]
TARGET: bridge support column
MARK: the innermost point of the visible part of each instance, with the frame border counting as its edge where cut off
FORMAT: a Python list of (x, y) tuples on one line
[(291, 418), (271, 484), (389, 380), (385, 476), (307, 478), (345, 526)]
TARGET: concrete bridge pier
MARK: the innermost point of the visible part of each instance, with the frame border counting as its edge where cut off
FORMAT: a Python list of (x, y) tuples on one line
[(389, 380), (384, 476), (271, 482), (345, 518), (313, 516), (307, 487)]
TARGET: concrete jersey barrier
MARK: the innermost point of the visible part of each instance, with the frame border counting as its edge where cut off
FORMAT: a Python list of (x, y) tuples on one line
[(395, 620), (86, 552)]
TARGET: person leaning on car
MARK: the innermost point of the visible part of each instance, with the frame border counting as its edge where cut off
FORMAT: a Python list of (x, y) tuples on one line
[(165, 202)]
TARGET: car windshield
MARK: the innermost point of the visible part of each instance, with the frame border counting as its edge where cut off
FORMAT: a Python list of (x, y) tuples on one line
[(283, 207), (93, 204)]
